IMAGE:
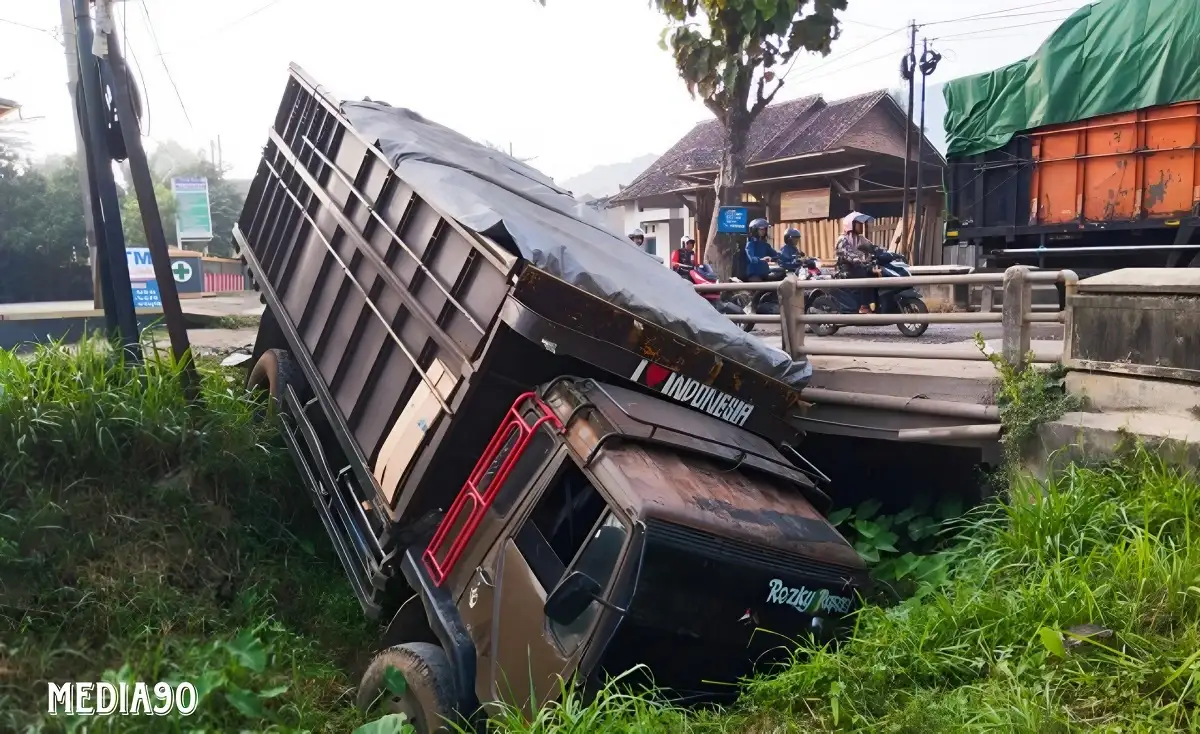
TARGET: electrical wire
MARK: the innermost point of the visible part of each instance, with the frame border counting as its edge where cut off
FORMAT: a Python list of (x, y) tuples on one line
[(840, 57), (247, 16), (154, 37), (999, 14), (864, 62), (26, 26), (997, 17), (141, 77), (999, 28)]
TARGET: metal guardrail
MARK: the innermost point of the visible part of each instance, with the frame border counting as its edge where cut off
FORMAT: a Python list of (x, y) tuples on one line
[(1017, 313)]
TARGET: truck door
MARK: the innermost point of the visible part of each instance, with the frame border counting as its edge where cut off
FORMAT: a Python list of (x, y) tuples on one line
[(570, 526)]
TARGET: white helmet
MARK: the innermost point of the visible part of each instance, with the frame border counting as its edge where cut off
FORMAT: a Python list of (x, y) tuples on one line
[(637, 233), (686, 239)]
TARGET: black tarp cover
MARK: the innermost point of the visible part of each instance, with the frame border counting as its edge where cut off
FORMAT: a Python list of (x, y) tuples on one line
[(520, 208)]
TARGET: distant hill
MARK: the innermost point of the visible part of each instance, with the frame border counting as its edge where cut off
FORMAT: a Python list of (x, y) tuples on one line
[(606, 180)]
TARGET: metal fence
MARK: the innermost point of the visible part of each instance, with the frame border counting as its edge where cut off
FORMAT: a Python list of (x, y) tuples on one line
[(1017, 314)]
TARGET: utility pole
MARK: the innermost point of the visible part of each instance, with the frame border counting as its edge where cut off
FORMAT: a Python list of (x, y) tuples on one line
[(143, 184), (929, 62), (89, 226), (110, 240), (908, 69)]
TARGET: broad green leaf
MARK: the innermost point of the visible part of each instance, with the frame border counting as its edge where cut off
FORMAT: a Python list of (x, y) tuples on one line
[(867, 509), (1052, 641), (766, 8), (867, 553), (390, 724), (885, 541), (273, 692), (249, 651), (837, 517), (394, 681), (905, 515), (866, 528), (246, 702), (906, 565)]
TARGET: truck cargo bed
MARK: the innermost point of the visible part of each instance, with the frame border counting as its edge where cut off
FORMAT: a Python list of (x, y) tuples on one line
[(421, 282)]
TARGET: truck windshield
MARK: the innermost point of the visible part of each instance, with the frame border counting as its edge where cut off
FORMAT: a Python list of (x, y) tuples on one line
[(709, 610)]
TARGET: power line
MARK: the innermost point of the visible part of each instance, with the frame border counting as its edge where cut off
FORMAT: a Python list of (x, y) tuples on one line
[(864, 62), (998, 14), (840, 57), (999, 28), (247, 16), (996, 17), (154, 37), (26, 26), (145, 90)]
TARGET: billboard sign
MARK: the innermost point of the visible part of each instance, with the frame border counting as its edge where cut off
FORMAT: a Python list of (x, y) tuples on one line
[(193, 214), (141, 278)]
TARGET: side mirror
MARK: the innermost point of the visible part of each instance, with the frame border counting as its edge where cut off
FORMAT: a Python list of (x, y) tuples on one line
[(571, 597)]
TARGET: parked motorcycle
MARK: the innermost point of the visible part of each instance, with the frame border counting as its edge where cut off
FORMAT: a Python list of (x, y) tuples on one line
[(895, 300), (704, 275)]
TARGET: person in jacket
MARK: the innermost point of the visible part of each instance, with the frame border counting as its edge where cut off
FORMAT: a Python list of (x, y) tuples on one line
[(686, 254), (638, 237), (852, 260), (790, 253), (759, 256)]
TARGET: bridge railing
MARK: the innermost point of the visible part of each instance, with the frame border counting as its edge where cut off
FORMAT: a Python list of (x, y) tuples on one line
[(1017, 314)]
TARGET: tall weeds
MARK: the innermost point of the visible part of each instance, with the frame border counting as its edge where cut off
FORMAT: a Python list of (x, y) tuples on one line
[(146, 538)]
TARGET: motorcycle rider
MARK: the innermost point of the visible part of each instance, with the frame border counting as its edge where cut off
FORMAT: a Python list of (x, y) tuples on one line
[(854, 259), (686, 254), (759, 256), (790, 254), (638, 237)]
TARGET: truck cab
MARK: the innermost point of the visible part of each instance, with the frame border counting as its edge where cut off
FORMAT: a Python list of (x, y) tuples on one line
[(605, 530)]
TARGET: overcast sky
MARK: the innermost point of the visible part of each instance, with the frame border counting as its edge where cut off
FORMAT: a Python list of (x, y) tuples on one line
[(577, 84)]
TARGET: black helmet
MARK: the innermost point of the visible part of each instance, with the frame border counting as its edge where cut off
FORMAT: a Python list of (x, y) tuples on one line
[(791, 234), (758, 224)]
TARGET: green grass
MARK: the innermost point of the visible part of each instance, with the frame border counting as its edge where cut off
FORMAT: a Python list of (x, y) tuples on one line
[(145, 539), (142, 538)]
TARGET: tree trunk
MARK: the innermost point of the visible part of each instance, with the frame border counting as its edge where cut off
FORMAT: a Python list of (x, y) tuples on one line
[(720, 250)]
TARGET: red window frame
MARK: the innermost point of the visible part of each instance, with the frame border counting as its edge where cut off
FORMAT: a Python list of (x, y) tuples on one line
[(439, 570)]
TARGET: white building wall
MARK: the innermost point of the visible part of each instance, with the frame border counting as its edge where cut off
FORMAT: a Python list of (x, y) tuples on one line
[(656, 223)]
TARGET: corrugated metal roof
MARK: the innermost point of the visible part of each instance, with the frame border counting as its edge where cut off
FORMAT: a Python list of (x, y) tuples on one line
[(795, 127)]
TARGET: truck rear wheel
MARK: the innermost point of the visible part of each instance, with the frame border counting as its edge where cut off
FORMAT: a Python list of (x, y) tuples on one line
[(273, 372), (428, 690)]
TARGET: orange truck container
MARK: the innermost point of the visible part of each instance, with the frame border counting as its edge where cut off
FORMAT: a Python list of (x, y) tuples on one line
[(1118, 190)]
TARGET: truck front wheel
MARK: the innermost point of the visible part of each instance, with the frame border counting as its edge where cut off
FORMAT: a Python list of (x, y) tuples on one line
[(273, 372), (421, 686)]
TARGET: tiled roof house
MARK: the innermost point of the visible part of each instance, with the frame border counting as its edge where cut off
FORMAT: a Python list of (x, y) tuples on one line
[(853, 147)]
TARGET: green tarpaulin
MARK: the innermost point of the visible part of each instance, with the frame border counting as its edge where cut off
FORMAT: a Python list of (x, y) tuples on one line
[(1112, 56)]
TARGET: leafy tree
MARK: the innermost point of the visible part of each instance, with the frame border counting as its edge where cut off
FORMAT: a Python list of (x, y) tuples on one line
[(168, 160), (43, 242), (726, 50)]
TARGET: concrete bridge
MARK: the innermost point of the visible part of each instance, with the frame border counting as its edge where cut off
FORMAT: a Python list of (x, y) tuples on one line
[(1128, 339)]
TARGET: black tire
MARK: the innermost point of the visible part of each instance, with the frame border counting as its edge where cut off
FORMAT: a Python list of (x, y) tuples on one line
[(823, 304), (742, 301), (912, 305), (274, 371), (428, 699)]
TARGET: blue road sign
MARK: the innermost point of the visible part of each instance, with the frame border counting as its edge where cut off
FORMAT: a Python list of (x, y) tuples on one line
[(732, 219)]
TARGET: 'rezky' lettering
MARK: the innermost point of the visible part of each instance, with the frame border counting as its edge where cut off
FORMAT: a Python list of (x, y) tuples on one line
[(808, 601)]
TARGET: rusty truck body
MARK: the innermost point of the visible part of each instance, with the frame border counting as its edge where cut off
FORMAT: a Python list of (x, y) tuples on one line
[(538, 454)]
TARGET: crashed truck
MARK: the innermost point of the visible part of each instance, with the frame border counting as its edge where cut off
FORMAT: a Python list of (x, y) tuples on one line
[(539, 454)]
